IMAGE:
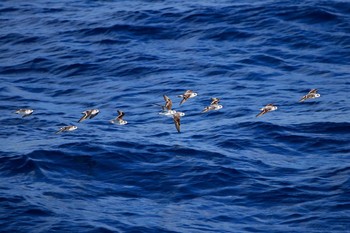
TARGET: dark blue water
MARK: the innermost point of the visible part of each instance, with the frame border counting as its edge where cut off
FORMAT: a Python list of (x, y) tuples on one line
[(227, 171)]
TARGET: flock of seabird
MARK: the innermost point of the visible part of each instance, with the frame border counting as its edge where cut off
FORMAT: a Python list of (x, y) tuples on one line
[(166, 110)]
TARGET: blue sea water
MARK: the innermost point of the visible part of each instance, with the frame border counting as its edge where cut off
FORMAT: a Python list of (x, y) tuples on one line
[(227, 171)]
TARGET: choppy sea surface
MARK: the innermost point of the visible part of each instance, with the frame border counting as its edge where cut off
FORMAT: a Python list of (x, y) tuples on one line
[(227, 171)]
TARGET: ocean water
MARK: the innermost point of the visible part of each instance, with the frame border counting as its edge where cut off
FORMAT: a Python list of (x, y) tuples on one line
[(227, 171)]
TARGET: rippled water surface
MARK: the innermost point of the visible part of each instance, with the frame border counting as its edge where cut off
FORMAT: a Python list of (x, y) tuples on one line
[(227, 171)]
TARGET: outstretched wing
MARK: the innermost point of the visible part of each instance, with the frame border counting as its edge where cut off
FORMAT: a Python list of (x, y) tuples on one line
[(184, 98), (121, 115), (313, 91), (262, 112), (206, 109), (176, 118), (61, 129), (168, 102), (84, 117), (214, 101), (166, 98), (303, 98)]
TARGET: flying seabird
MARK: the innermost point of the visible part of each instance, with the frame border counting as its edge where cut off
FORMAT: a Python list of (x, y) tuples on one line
[(91, 113), (212, 107), (66, 128), (267, 108), (311, 95), (24, 112), (119, 119), (188, 94)]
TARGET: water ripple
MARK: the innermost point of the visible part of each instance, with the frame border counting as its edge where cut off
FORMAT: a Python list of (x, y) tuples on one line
[(283, 172)]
